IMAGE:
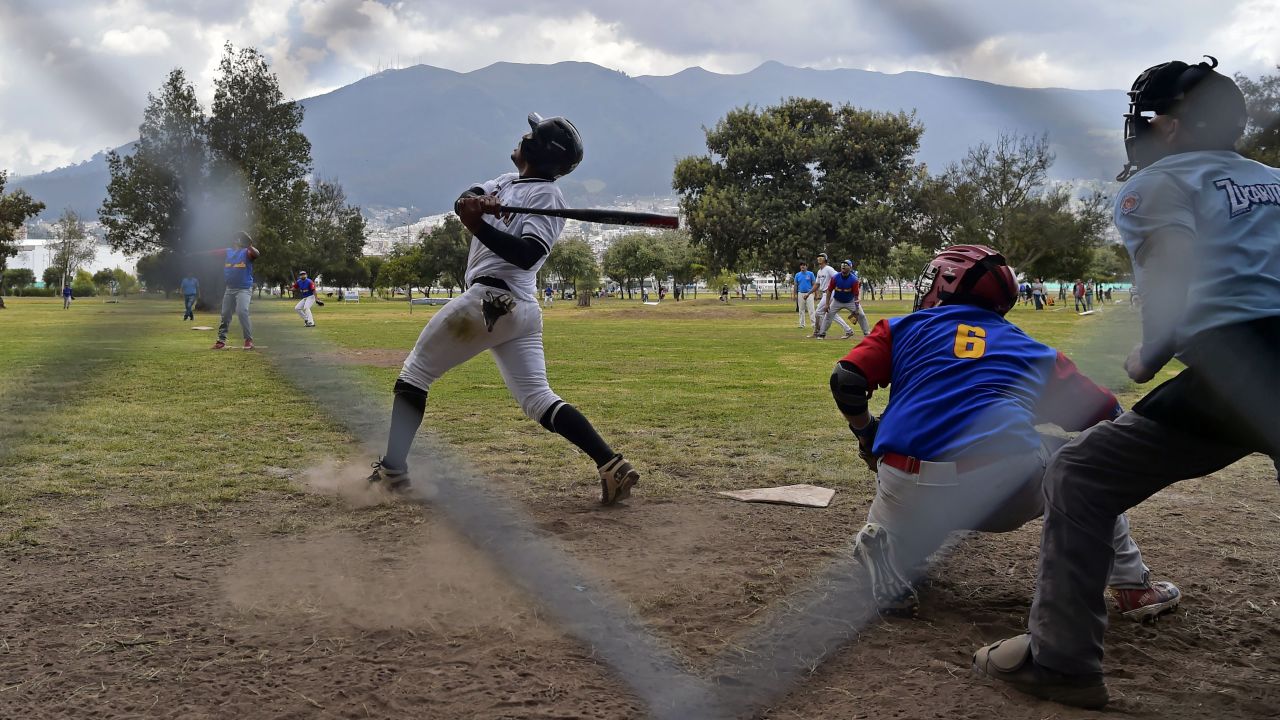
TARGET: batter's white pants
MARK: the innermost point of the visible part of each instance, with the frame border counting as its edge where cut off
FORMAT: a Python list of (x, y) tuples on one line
[(807, 302), (852, 307), (458, 332), (303, 308)]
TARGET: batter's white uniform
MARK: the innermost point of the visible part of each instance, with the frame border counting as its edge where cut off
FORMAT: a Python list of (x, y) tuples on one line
[(507, 322), (825, 273)]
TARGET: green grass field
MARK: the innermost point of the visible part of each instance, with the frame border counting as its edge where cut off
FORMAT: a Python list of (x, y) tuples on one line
[(123, 406)]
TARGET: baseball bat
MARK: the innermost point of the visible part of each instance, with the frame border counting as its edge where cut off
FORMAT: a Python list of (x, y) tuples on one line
[(609, 217)]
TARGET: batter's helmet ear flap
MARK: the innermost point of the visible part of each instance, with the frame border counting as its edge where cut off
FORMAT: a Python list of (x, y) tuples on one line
[(553, 146)]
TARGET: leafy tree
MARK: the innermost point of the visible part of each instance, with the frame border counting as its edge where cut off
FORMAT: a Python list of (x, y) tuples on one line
[(162, 271), (15, 208), (791, 180), (998, 195), (334, 244), (906, 261), (681, 260), (1109, 263), (444, 252), (17, 279), (257, 140), (152, 193), (82, 285), (575, 262), (1261, 140), (125, 283), (51, 277), (373, 271), (634, 256), (75, 248), (404, 268), (103, 280)]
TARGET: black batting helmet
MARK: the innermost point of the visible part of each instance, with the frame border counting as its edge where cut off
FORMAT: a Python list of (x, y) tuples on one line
[(553, 146), (1196, 94), (967, 275)]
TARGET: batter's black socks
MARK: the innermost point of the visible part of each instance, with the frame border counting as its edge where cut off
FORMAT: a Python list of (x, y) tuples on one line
[(564, 419), (407, 409)]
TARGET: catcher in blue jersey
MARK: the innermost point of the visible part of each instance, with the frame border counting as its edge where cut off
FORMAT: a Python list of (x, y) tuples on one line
[(956, 447)]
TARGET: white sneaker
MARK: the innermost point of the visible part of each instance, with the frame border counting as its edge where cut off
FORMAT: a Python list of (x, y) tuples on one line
[(892, 593), (617, 477)]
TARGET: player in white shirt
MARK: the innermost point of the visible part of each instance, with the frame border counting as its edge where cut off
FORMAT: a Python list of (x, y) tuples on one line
[(821, 290), (499, 311)]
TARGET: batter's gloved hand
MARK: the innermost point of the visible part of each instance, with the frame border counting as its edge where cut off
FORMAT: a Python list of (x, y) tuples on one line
[(866, 439)]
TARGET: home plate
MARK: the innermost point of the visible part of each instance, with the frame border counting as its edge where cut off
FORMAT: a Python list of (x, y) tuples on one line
[(201, 327), (802, 495), (1088, 312)]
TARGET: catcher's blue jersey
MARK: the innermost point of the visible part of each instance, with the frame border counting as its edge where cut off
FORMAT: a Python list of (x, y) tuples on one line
[(965, 382)]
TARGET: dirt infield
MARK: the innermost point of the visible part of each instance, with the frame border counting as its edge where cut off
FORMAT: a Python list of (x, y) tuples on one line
[(307, 606)]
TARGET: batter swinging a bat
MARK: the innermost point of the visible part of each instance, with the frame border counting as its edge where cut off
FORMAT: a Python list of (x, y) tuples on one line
[(499, 311)]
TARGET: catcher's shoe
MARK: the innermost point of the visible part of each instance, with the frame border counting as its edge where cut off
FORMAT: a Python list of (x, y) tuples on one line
[(391, 479), (892, 592), (616, 480), (1148, 603), (1010, 661)]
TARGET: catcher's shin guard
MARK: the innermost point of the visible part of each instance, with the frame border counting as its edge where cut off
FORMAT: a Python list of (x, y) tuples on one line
[(617, 477)]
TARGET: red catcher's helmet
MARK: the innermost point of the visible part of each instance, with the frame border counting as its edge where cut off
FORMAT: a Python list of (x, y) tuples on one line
[(967, 275)]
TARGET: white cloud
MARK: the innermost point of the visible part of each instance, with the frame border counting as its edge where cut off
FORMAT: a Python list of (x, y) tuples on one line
[(22, 154), (138, 40)]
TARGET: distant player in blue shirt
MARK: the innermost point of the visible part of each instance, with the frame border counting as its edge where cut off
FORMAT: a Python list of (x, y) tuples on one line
[(956, 447), (190, 291), (305, 287), (805, 286), (66, 297), (1202, 227), (238, 275)]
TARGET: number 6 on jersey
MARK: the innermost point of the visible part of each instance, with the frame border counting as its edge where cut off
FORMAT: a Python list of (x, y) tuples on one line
[(969, 341)]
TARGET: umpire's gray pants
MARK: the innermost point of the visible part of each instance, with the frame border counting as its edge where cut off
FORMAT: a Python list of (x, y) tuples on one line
[(236, 300), (1107, 469), (919, 510)]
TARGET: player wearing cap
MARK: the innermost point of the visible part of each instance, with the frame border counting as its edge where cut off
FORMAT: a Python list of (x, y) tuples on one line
[(307, 288), (956, 448), (822, 289), (499, 311), (844, 292), (1202, 227)]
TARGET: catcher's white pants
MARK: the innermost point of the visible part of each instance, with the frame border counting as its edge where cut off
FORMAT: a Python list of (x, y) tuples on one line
[(458, 332), (822, 319), (303, 308), (804, 302), (834, 313)]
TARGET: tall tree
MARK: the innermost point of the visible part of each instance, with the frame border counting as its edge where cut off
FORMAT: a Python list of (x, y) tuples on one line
[(75, 247), (444, 251), (632, 257), (1261, 140), (154, 191), (788, 181), (15, 208), (681, 260), (334, 242), (575, 262), (257, 140), (999, 195)]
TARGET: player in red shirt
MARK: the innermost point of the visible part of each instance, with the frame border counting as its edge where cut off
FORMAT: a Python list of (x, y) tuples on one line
[(956, 447)]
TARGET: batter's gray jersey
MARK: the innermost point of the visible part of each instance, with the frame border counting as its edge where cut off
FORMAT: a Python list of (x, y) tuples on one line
[(1230, 206), (515, 191)]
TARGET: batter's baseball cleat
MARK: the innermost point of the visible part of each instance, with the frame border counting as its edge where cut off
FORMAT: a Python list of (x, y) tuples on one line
[(617, 477), (1148, 603), (219, 345), (1010, 661), (390, 478), (892, 592)]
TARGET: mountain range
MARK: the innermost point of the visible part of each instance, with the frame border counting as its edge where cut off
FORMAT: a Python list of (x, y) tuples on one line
[(415, 137)]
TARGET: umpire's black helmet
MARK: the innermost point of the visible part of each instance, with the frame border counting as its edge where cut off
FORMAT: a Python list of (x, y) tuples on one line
[(1197, 94), (554, 146)]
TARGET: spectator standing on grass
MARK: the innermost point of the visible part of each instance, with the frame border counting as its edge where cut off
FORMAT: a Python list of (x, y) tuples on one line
[(237, 273), (802, 292), (1037, 293), (724, 293), (190, 292), (548, 296), (1062, 292), (1088, 295), (1077, 292), (66, 297)]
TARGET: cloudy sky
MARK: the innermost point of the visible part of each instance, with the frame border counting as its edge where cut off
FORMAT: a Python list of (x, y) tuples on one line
[(74, 75)]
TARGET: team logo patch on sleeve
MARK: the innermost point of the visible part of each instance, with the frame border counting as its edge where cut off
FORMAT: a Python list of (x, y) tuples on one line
[(1129, 203)]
